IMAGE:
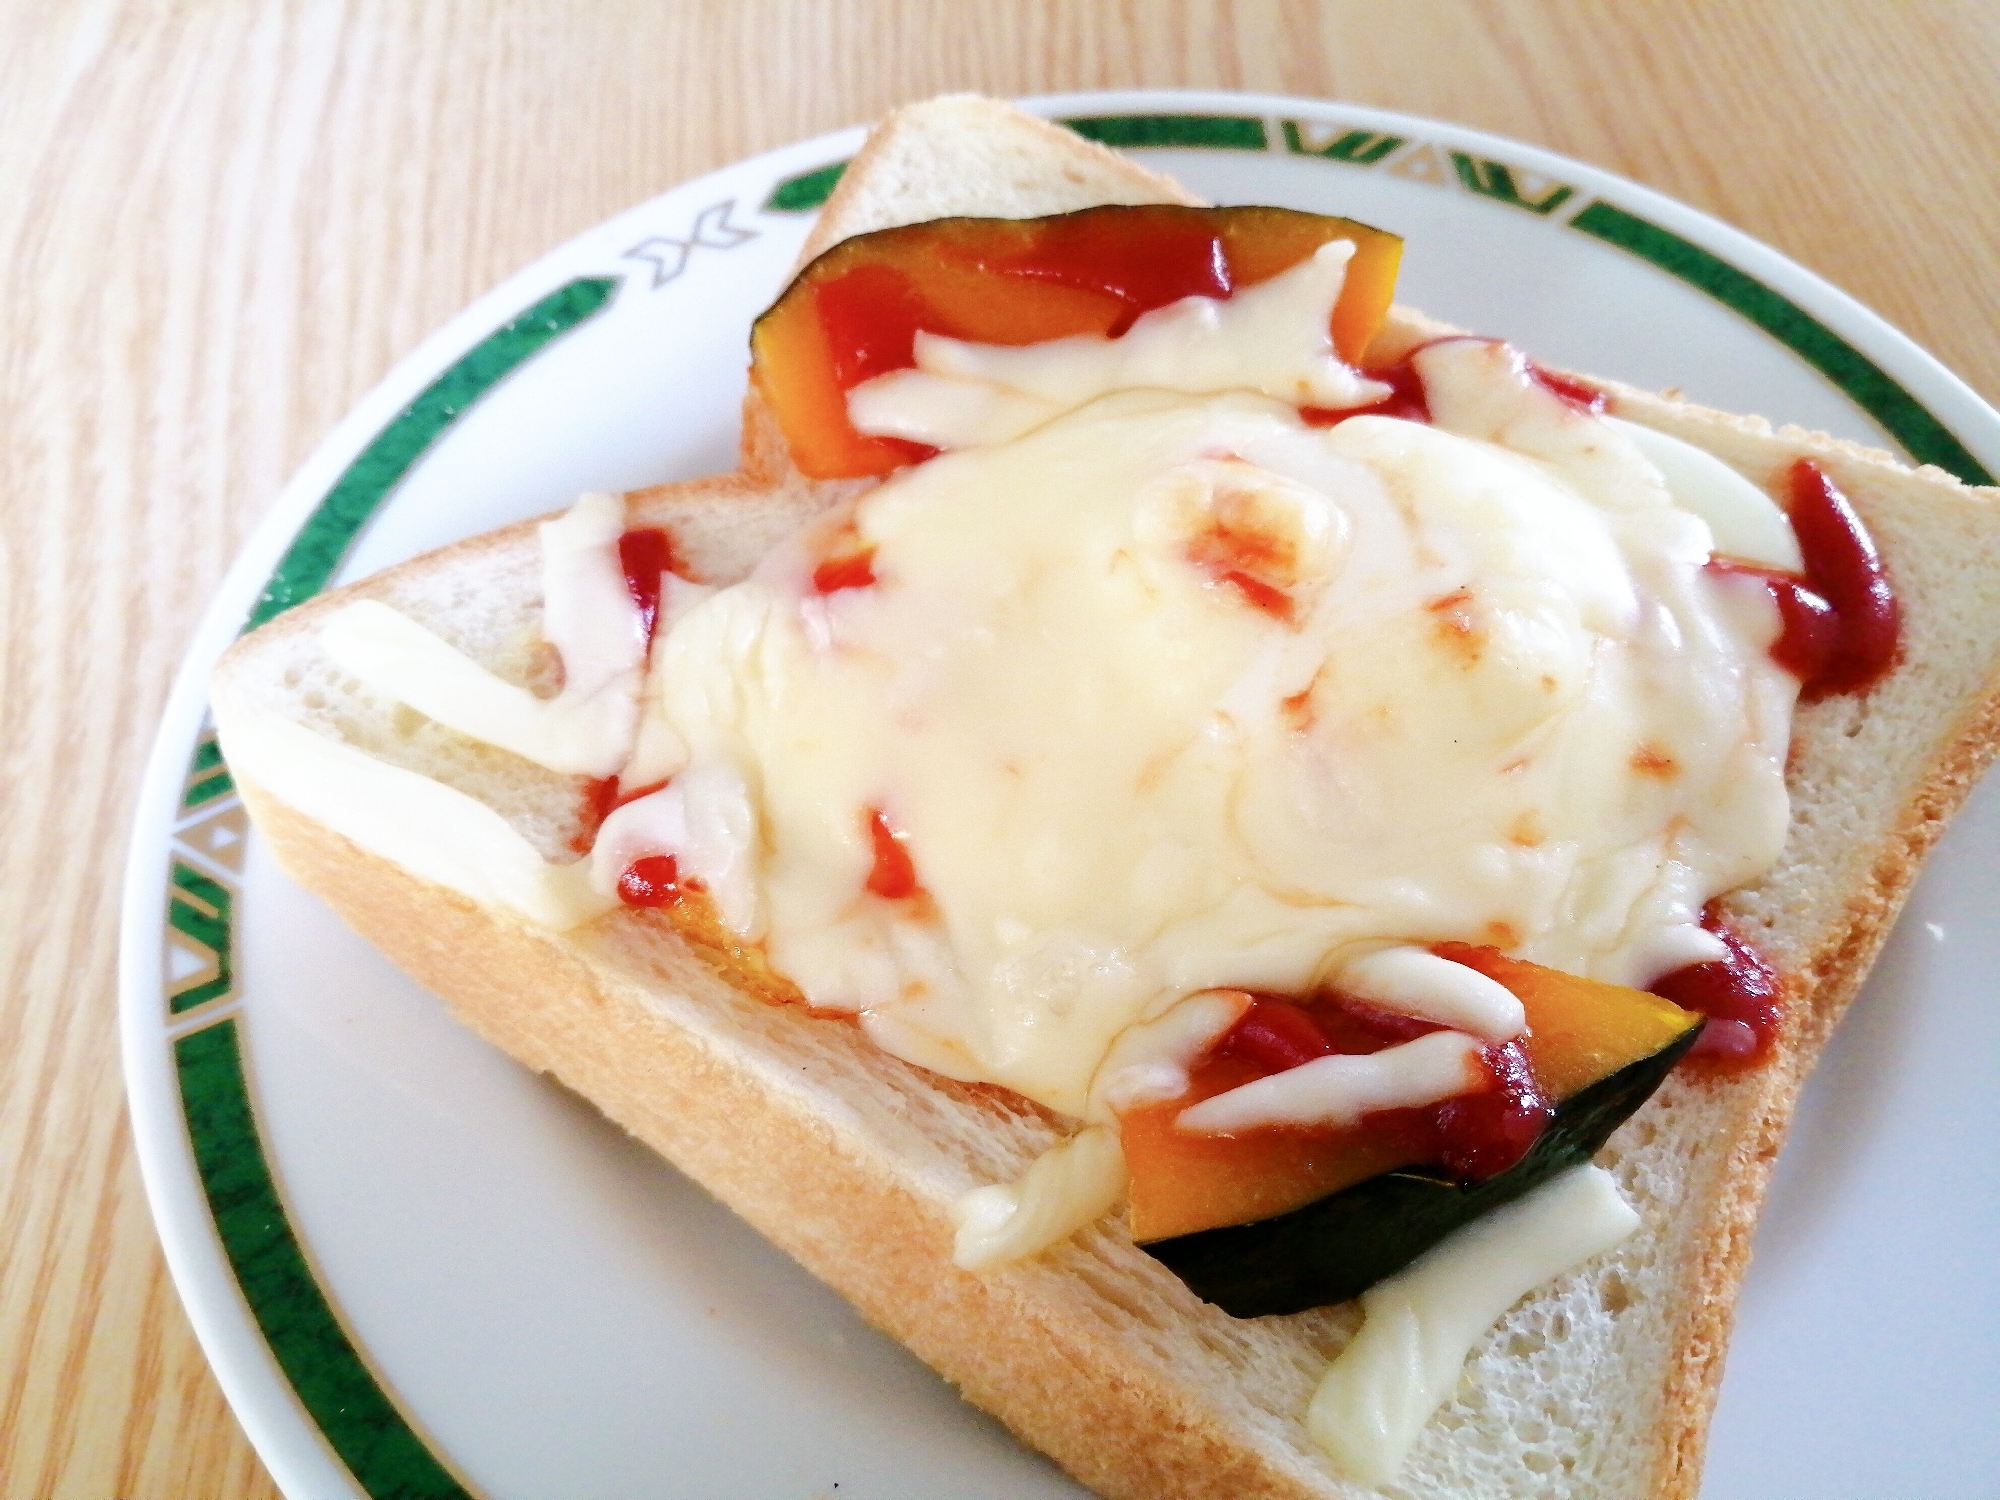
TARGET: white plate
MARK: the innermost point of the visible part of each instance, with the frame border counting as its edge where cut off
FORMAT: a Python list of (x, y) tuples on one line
[(420, 1271)]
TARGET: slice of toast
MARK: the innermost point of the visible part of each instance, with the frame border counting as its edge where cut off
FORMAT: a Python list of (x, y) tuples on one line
[(1598, 1385)]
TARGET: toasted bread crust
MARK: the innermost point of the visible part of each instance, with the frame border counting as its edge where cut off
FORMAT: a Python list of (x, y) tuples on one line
[(1059, 1348)]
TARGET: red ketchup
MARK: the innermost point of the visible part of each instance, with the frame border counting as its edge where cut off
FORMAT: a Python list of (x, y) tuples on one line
[(845, 570), (1840, 630), (893, 875), (1841, 626), (1473, 1137), (654, 880), (1738, 993), (871, 317), (600, 797), (1580, 396), (645, 554), (1090, 252), (1241, 558)]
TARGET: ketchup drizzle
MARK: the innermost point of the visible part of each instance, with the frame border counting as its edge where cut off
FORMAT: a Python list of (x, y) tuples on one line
[(1739, 994), (1844, 569), (1481, 1135), (1408, 402), (871, 316), (1583, 397), (845, 570), (1474, 1136), (1276, 1036), (1841, 627), (646, 554), (602, 796), (652, 881), (894, 874)]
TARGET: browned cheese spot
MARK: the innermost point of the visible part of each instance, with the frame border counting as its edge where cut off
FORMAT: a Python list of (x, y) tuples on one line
[(1455, 628), (542, 667), (1650, 760)]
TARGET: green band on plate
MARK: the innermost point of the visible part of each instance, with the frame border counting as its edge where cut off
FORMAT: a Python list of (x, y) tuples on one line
[(323, 541), (1135, 132), (339, 1392)]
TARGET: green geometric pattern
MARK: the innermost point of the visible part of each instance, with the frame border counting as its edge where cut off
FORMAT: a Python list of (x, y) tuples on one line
[(1361, 148), (343, 1398), (208, 777), (321, 543), (200, 910), (1492, 179), (805, 192)]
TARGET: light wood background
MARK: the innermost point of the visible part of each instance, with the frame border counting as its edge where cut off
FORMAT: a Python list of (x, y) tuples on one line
[(221, 221)]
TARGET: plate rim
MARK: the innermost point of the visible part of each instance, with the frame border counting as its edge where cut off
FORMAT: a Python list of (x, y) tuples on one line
[(280, 1424)]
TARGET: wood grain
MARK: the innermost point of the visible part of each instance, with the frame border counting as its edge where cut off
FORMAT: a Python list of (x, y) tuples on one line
[(221, 222)]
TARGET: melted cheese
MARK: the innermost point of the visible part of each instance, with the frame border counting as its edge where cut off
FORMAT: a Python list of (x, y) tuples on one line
[(1419, 1325), (1069, 1186), (1339, 1090), (1150, 1062), (587, 615), (1745, 521), (428, 828), (707, 820), (1506, 704), (657, 751), (1416, 982)]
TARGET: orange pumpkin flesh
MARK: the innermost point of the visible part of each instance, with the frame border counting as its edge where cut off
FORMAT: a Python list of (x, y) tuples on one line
[(850, 314), (1181, 1182), (1579, 1030)]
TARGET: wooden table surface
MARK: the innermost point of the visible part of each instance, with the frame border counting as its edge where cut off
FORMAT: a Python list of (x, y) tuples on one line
[(222, 222)]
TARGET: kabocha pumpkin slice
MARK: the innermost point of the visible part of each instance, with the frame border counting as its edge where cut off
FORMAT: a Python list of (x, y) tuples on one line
[(1338, 1246), (854, 312), (1581, 1032)]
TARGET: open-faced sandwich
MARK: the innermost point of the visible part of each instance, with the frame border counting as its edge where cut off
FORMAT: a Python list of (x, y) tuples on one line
[(1252, 876)]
